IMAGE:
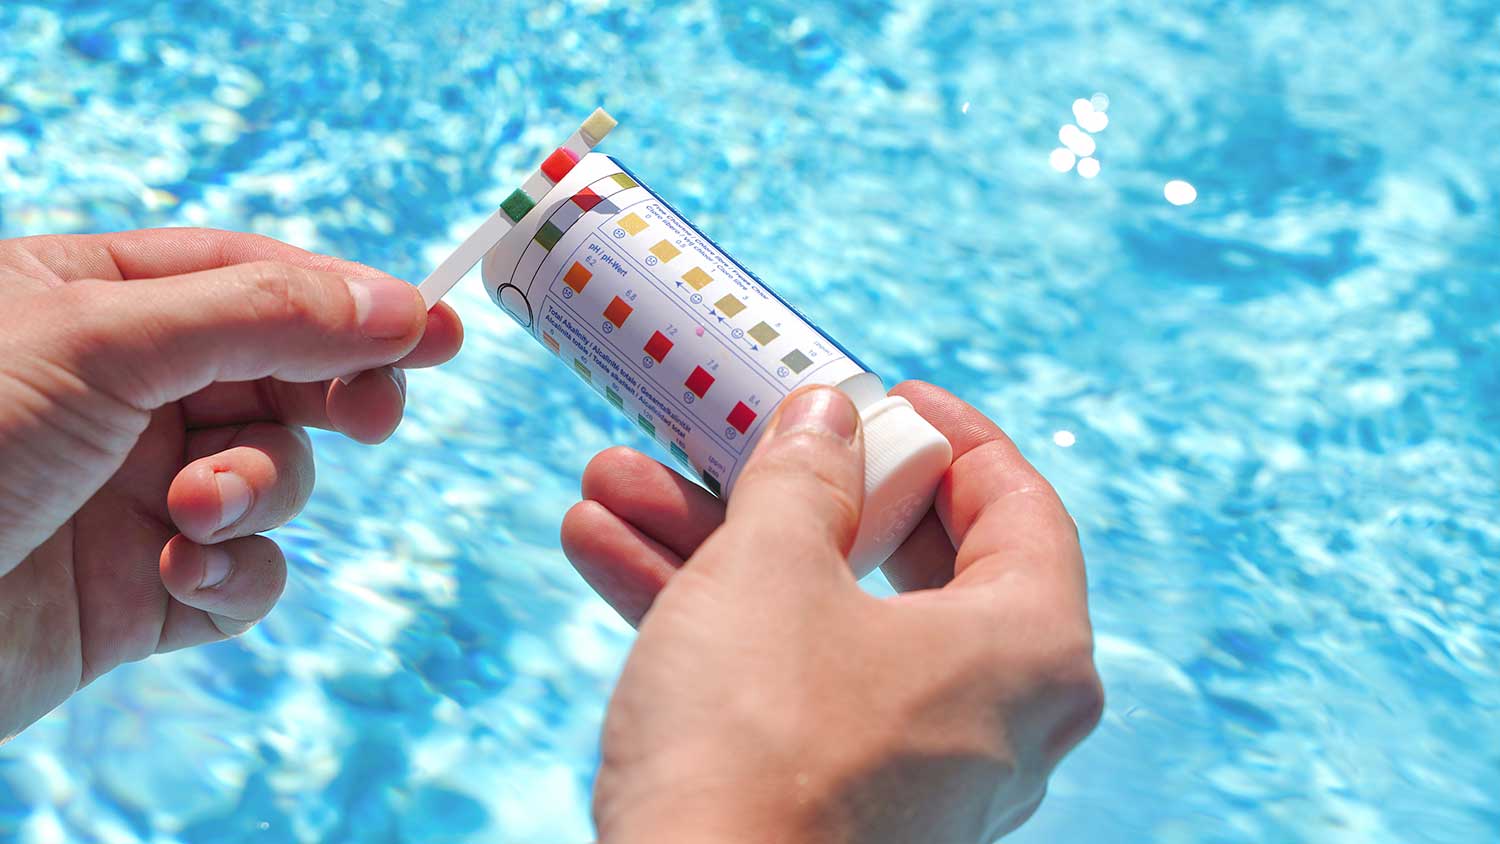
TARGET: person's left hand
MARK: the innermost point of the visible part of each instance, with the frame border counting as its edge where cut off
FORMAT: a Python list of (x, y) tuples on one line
[(153, 390)]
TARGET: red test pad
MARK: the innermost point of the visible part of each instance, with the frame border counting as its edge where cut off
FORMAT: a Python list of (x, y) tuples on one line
[(559, 164)]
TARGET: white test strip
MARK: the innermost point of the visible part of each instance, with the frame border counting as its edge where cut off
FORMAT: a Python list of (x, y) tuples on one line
[(455, 266), (468, 253), (537, 185)]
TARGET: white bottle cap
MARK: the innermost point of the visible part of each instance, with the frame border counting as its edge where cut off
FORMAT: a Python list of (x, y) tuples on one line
[(905, 459)]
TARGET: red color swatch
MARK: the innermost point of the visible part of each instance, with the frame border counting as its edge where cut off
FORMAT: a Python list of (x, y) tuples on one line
[(699, 381), (586, 199), (559, 164), (618, 311), (658, 346), (741, 417)]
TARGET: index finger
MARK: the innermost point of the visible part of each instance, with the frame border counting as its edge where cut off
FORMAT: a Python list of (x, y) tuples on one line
[(1002, 515), (157, 253)]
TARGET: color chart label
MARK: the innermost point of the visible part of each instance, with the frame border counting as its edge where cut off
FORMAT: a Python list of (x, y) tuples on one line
[(664, 325)]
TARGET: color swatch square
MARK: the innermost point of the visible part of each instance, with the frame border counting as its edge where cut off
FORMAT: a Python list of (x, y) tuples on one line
[(665, 251), (699, 382), (632, 223), (617, 311), (678, 453), (598, 126), (729, 305), (658, 346), (741, 417), (586, 199), (624, 181), (516, 205), (763, 333), (548, 236), (559, 164), (646, 426), (614, 397), (578, 277), (796, 361), (582, 370), (712, 483), (697, 278), (552, 343)]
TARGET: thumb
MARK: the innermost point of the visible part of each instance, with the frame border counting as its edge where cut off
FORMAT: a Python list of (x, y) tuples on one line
[(154, 341), (796, 504)]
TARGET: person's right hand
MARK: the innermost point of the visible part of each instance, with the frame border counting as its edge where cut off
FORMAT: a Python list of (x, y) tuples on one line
[(154, 387), (770, 699)]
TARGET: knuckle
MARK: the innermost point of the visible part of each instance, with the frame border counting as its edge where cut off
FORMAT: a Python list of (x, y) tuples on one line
[(275, 292), (804, 456), (844, 509), (799, 472), (1071, 680)]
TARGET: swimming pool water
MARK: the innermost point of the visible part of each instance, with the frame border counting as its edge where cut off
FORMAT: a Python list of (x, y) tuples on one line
[(1273, 410)]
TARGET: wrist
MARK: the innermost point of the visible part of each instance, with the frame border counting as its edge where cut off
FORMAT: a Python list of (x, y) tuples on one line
[(716, 810), (703, 824)]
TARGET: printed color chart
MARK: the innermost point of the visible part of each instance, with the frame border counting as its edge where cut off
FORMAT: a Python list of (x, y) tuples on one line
[(648, 311)]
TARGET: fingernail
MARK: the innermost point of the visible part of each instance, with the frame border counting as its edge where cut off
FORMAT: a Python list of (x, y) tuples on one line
[(215, 567), (823, 410), (383, 306), (399, 376), (234, 498)]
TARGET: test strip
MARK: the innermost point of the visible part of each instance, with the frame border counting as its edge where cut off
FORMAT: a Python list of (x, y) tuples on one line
[(559, 164), (516, 206), (537, 185), (468, 253), (591, 133)]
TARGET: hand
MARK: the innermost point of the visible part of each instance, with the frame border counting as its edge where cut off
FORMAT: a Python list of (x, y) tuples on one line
[(153, 390), (770, 699)]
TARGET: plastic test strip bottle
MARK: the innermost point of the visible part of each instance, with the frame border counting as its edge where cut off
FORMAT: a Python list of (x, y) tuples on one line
[(689, 344)]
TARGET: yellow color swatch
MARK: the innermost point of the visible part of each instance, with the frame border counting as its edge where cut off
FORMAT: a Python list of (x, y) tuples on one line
[(763, 333), (632, 224), (729, 306), (665, 251), (697, 278)]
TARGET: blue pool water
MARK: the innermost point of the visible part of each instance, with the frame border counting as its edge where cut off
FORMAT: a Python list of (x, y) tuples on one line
[(1273, 411)]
